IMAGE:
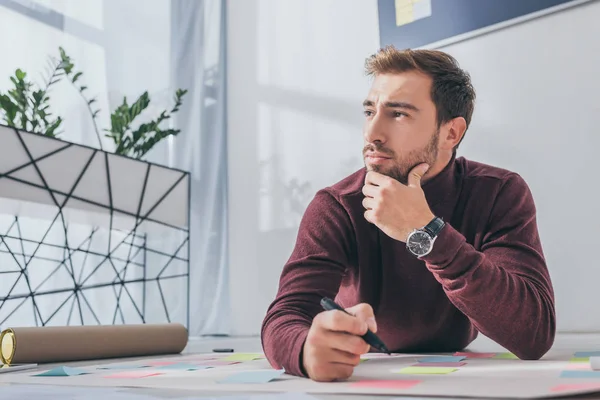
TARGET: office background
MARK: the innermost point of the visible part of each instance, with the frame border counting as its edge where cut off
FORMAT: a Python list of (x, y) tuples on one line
[(274, 114)]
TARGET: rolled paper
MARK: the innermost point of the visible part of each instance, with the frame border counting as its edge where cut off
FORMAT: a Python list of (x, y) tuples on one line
[(76, 343)]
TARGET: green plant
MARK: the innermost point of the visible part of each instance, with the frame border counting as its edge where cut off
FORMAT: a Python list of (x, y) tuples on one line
[(28, 108)]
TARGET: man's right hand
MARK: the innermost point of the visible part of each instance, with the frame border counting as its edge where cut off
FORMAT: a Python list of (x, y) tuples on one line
[(334, 344)]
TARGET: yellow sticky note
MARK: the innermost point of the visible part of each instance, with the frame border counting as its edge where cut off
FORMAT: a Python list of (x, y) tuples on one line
[(243, 357), (506, 356), (425, 370), (580, 359), (404, 12)]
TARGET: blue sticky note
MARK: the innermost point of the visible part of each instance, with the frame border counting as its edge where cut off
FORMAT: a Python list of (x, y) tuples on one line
[(442, 359), (584, 354), (184, 366), (580, 374), (253, 377), (63, 371)]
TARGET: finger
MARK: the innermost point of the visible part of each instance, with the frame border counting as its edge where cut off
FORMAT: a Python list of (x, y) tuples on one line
[(375, 178), (339, 321), (415, 175), (341, 357), (370, 190), (345, 342), (369, 216), (364, 312), (369, 203)]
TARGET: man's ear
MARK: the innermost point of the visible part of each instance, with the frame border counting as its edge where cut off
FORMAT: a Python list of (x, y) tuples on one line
[(454, 130)]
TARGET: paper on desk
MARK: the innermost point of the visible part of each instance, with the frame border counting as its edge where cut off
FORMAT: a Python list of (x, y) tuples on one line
[(441, 359), (243, 357), (133, 374), (216, 363), (184, 366), (62, 371), (424, 370), (475, 355), (575, 386), (44, 392), (385, 384), (580, 374), (253, 376), (123, 366), (506, 356), (440, 364)]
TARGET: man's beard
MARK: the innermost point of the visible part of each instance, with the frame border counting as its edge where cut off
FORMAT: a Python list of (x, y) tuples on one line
[(403, 164)]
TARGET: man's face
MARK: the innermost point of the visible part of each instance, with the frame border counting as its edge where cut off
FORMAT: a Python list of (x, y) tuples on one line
[(401, 129)]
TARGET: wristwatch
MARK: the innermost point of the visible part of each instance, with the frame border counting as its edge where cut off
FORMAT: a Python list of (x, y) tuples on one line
[(420, 241)]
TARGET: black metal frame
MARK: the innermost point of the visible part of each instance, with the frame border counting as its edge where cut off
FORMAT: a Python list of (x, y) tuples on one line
[(79, 286)]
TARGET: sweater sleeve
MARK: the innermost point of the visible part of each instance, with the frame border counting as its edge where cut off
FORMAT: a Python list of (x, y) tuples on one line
[(504, 289), (314, 270)]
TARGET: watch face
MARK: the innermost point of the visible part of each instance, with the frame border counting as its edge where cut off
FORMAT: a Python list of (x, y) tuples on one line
[(419, 243)]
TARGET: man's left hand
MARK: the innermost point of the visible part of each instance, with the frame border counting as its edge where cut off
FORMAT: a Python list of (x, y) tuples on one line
[(395, 208)]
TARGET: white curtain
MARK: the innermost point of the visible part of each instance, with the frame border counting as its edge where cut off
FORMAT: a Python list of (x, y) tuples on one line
[(123, 48)]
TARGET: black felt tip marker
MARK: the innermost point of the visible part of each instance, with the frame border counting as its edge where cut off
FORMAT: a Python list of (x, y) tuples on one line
[(369, 337)]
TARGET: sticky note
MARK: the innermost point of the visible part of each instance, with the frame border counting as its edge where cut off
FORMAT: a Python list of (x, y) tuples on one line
[(160, 363), (506, 356), (580, 359), (575, 386), (587, 354), (123, 366), (424, 370), (133, 374), (243, 357), (441, 359), (388, 384), (580, 374), (475, 355), (63, 371), (579, 366), (183, 366), (253, 376), (441, 364)]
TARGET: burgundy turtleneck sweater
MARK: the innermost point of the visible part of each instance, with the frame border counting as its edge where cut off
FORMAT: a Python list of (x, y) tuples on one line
[(486, 272)]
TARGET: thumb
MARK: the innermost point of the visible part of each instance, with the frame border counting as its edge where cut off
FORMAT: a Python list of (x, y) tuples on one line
[(415, 175)]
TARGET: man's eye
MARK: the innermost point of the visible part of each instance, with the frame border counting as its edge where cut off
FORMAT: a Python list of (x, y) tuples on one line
[(398, 114), (368, 113)]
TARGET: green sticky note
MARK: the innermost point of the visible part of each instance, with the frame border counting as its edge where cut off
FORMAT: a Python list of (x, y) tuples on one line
[(425, 370), (243, 357), (506, 356), (62, 371), (580, 359)]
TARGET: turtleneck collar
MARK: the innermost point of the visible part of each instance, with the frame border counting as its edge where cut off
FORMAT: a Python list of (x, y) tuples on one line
[(444, 186)]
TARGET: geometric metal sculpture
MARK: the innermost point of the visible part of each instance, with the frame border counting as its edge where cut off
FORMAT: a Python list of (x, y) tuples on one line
[(90, 237)]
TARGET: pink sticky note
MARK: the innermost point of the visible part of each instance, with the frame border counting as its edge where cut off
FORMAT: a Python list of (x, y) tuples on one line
[(391, 384), (160, 363), (475, 355), (575, 386), (440, 364), (579, 366), (132, 374)]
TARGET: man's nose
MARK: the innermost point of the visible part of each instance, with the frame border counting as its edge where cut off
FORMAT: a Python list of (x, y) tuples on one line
[(374, 130)]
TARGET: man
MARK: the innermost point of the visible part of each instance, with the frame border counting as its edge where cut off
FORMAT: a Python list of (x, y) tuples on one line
[(422, 247)]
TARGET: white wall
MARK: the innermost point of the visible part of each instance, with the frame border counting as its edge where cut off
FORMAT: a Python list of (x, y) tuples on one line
[(295, 88)]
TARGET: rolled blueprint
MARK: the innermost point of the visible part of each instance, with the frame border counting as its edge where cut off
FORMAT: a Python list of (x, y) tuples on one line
[(75, 343)]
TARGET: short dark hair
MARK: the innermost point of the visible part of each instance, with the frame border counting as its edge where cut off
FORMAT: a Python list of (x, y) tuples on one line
[(451, 91)]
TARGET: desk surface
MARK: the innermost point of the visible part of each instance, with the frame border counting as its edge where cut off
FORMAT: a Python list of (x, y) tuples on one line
[(563, 343)]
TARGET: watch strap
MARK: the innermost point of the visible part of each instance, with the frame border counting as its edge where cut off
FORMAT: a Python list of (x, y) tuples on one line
[(434, 227)]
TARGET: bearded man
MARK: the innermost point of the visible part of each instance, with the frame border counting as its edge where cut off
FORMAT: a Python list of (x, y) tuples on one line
[(424, 248)]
